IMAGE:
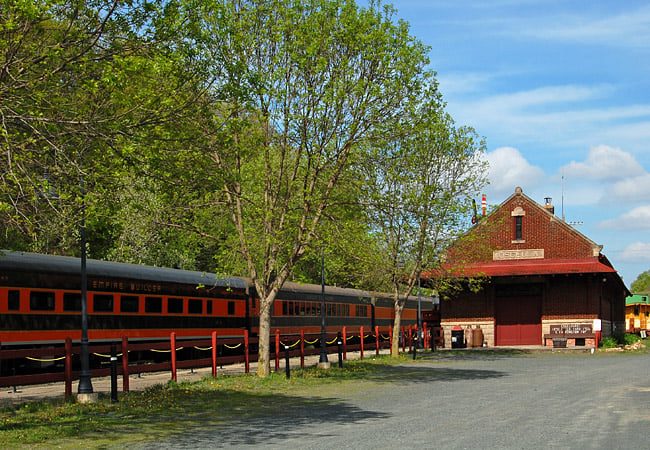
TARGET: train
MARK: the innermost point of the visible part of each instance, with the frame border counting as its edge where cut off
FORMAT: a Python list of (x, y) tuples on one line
[(40, 303)]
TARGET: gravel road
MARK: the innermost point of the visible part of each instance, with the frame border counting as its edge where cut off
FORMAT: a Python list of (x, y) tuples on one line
[(473, 400)]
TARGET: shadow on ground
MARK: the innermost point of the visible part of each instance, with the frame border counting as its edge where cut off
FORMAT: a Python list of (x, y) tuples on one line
[(261, 420), (473, 355)]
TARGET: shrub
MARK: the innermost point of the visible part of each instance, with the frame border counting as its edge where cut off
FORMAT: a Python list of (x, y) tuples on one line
[(608, 342), (629, 338)]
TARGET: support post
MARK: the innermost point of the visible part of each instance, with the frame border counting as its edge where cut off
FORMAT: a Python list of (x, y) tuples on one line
[(390, 339), (302, 348), (125, 364), (361, 339), (113, 373), (345, 343), (247, 359), (172, 346), (339, 344), (377, 340), (68, 368), (277, 350), (287, 365), (214, 354)]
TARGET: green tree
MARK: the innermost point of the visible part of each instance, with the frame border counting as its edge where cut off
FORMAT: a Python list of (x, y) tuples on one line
[(642, 283), (421, 194), (304, 86)]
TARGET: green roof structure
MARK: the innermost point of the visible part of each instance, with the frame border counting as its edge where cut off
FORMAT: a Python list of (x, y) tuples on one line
[(637, 299)]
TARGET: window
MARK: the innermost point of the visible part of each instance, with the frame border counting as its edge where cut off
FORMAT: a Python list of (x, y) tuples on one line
[(14, 301), (71, 301), (175, 305), (41, 301), (129, 304), (153, 305), (285, 308), (102, 303), (518, 233), (361, 310), (231, 308), (208, 304), (195, 307), (291, 310)]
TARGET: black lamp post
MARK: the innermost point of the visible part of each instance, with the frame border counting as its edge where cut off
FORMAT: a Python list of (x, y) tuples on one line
[(323, 362), (420, 334), (85, 384)]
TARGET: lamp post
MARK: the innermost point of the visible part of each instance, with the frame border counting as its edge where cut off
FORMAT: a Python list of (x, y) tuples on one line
[(85, 387), (323, 362), (420, 334)]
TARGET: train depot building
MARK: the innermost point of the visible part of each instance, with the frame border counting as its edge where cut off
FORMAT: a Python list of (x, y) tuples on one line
[(540, 282)]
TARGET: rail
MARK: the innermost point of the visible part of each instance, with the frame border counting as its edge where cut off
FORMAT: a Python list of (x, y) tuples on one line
[(218, 351)]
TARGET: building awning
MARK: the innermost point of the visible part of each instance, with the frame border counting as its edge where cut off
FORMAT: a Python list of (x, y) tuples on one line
[(529, 267)]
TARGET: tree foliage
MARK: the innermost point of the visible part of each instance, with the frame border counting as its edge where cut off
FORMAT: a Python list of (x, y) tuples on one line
[(642, 283)]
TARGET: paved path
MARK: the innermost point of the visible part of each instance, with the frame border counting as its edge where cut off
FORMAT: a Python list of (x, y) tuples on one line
[(476, 400)]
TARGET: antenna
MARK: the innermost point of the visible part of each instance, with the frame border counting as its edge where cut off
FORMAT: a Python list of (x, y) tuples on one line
[(563, 218)]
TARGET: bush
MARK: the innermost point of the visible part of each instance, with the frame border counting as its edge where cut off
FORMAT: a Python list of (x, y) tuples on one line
[(629, 339), (609, 342)]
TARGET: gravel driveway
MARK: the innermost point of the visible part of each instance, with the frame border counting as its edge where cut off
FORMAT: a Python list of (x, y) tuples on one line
[(473, 400)]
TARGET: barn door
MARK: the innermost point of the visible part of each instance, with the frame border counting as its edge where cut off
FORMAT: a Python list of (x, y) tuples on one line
[(518, 315)]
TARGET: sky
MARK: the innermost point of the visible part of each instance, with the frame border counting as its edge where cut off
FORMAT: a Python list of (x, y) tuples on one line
[(560, 90)]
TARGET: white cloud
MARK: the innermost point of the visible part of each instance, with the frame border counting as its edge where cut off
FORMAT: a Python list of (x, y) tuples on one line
[(637, 218), (632, 188), (636, 252), (509, 169), (605, 163)]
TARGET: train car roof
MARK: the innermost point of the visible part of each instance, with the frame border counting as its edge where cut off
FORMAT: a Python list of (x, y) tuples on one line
[(36, 262), (315, 289)]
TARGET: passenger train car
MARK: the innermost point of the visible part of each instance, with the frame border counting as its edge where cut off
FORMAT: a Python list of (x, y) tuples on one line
[(40, 303)]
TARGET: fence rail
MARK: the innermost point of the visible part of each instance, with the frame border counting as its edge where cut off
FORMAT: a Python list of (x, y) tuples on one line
[(361, 340)]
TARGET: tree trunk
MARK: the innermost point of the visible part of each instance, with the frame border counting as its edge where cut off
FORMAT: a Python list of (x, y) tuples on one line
[(264, 349), (394, 345)]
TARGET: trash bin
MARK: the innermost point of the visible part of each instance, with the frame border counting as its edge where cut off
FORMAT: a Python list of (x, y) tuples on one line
[(457, 337)]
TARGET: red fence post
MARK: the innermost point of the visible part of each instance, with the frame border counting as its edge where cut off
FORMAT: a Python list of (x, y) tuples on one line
[(302, 348), (361, 342), (277, 350), (345, 343), (125, 364), (247, 360), (214, 354), (68, 368), (172, 345), (376, 340), (410, 338)]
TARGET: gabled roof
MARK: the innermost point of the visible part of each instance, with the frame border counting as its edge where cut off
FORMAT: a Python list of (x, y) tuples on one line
[(533, 267)]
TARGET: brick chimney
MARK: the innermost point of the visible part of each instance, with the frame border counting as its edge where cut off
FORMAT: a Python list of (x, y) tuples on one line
[(548, 205)]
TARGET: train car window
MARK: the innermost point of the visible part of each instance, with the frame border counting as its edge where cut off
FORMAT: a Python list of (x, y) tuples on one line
[(285, 308), (290, 309), (153, 305), (71, 301), (346, 310), (129, 304), (315, 309), (208, 305), (231, 308), (13, 300), (175, 305), (195, 307), (41, 301), (102, 303)]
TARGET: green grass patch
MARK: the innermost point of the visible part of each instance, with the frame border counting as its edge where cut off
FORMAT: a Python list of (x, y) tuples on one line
[(161, 411)]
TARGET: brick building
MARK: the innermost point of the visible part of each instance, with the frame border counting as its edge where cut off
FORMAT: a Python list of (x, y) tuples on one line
[(543, 282)]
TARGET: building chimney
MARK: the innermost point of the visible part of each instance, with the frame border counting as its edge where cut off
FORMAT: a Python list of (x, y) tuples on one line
[(484, 205), (548, 205)]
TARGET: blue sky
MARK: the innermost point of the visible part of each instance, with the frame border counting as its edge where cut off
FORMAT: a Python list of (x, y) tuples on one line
[(559, 89)]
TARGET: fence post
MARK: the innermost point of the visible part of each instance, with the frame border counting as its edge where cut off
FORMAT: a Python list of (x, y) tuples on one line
[(68, 368), (214, 354), (345, 343), (113, 373), (172, 339), (125, 364), (377, 340), (403, 340), (247, 360), (425, 336), (390, 339), (302, 348), (410, 337), (339, 345), (287, 365), (361, 339), (277, 350)]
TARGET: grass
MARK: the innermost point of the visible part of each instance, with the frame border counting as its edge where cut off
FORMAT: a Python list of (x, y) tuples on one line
[(161, 411)]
